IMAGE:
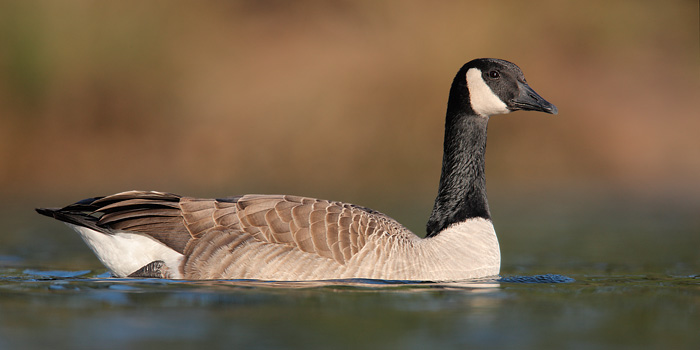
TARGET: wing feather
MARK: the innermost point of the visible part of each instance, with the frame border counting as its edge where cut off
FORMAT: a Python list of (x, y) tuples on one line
[(304, 241), (300, 215), (279, 228), (283, 208), (332, 230)]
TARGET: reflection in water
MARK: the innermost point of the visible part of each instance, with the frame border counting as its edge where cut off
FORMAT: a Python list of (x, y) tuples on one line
[(354, 283), (86, 276)]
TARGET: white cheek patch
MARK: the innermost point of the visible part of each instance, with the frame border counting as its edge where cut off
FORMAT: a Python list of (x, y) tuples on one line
[(484, 102)]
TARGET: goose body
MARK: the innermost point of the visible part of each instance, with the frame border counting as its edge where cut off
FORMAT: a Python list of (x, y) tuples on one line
[(283, 238)]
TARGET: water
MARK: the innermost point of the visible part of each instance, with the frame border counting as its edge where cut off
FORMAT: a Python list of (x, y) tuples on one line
[(86, 309), (593, 280)]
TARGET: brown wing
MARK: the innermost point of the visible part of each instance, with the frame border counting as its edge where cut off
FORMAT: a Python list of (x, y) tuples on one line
[(329, 229)]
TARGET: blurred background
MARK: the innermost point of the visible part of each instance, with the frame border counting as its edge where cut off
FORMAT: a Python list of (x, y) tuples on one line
[(345, 100)]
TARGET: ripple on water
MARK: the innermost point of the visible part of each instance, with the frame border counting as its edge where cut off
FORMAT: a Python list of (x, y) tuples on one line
[(548, 278), (128, 284)]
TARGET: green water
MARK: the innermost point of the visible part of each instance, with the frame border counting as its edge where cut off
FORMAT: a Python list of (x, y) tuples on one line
[(635, 284)]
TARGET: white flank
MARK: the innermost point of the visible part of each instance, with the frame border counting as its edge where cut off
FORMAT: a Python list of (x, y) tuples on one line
[(123, 253), (484, 102)]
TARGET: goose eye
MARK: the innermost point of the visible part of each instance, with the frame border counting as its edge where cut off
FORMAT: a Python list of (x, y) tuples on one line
[(494, 74)]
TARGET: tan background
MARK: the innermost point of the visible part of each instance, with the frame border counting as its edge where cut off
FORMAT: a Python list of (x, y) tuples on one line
[(343, 100)]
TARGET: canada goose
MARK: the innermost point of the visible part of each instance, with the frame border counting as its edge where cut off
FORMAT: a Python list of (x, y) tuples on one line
[(279, 237)]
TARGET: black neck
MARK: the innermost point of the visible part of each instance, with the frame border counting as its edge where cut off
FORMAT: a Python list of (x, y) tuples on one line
[(462, 192)]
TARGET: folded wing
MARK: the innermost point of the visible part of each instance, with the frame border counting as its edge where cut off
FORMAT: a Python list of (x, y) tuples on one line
[(331, 230)]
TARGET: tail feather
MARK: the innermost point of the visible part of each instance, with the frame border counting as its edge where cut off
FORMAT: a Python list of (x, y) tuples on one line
[(80, 218), (156, 214)]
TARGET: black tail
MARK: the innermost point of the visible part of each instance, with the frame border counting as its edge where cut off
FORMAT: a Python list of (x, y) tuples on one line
[(80, 213), (47, 211), (156, 214)]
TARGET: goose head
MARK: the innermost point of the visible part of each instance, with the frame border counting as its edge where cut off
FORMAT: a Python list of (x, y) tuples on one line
[(483, 87), (494, 86)]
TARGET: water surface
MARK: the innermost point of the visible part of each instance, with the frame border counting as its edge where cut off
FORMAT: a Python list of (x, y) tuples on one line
[(86, 309)]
